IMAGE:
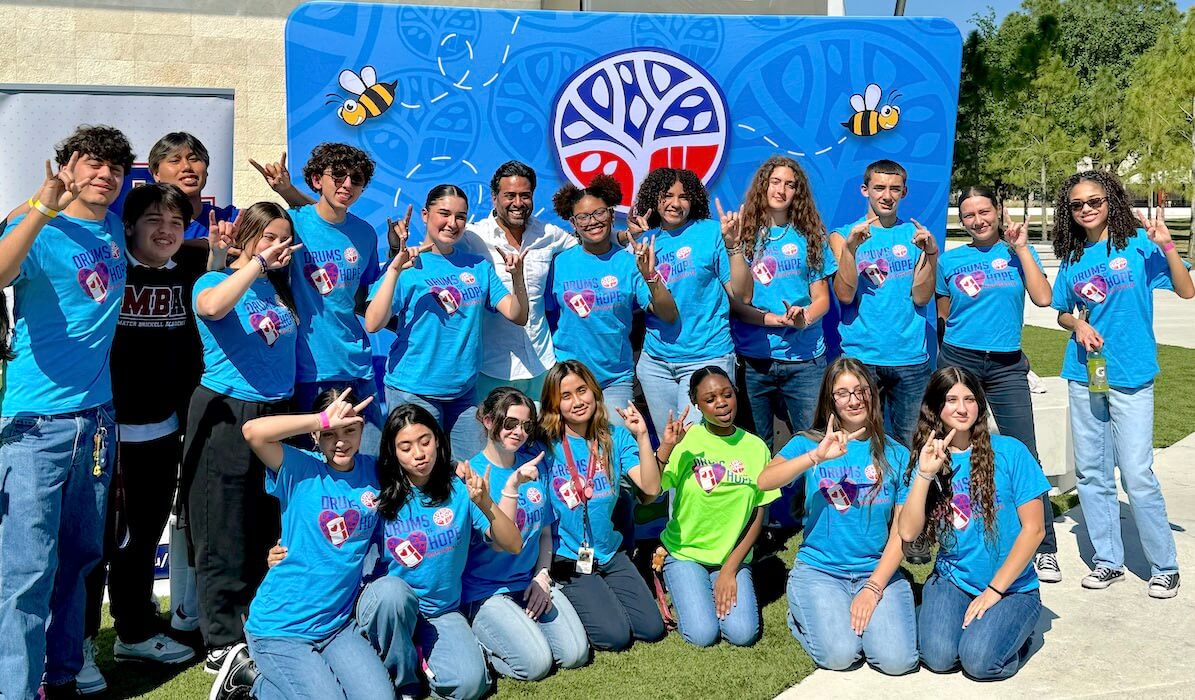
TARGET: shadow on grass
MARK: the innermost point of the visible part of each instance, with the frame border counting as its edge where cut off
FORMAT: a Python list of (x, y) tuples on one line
[(131, 679)]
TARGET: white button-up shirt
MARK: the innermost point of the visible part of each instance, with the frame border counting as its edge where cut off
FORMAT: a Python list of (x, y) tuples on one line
[(512, 351)]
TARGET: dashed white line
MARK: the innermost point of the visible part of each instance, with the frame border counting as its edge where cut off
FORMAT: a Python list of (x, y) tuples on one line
[(437, 98), (824, 150), (414, 170), (771, 142), (748, 128), (469, 165)]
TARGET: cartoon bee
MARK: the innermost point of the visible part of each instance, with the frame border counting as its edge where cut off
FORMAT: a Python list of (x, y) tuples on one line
[(867, 119), (373, 98)]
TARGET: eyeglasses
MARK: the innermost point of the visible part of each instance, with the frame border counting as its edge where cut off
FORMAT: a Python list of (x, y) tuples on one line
[(510, 423), (598, 215), (845, 395), (339, 176), (1095, 203)]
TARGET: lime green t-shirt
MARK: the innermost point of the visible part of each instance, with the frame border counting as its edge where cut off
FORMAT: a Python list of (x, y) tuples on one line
[(714, 493)]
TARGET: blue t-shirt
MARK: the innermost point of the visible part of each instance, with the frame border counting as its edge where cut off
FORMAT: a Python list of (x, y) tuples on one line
[(883, 326), (328, 523), (490, 572), (596, 295), (1117, 287), (427, 545), (693, 263), (198, 229), (250, 353), (67, 298), (335, 261), (969, 560), (439, 304), (780, 273), (847, 523), (570, 511), (986, 287)]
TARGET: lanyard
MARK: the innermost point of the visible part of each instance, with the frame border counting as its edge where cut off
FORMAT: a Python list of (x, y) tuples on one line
[(584, 489)]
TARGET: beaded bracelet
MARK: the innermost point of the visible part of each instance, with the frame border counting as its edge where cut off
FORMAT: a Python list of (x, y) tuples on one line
[(874, 588), (261, 260)]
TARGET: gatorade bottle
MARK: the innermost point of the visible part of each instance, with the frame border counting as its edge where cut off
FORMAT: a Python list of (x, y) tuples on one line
[(1097, 372)]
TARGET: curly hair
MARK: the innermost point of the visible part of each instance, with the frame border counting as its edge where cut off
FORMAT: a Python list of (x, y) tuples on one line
[(938, 504), (103, 142), (826, 407), (604, 187), (396, 485), (338, 157), (1069, 237), (656, 185), (756, 219), (551, 422)]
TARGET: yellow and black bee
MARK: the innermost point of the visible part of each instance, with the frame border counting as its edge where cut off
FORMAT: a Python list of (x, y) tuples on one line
[(867, 119), (373, 98)]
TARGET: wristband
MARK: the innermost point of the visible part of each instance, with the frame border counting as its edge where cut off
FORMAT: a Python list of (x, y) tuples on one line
[(660, 462), (996, 590), (1165, 249), (507, 494), (928, 477), (324, 423), (51, 213), (736, 250), (874, 588), (812, 455), (261, 260)]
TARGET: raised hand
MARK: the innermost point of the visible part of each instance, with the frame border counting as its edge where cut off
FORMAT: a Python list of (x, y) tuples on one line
[(278, 255), (633, 420), (674, 430), (479, 489), (860, 232), (730, 225), (464, 469), (341, 413), (933, 453), (275, 174), (61, 188), (645, 257), (406, 256), (1156, 228), (923, 239), (513, 261), (397, 232), (221, 235), (528, 471), (835, 442), (1016, 234), (794, 316), (636, 224)]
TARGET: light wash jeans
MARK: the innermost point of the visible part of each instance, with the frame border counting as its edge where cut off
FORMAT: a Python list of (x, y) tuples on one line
[(1113, 430), (692, 588), (342, 666), (53, 498), (453, 661), (617, 396), (462, 434), (666, 385), (371, 432), (524, 649), (819, 615), (991, 648)]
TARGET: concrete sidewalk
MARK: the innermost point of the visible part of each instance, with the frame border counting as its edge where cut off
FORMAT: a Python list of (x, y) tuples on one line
[(1096, 643)]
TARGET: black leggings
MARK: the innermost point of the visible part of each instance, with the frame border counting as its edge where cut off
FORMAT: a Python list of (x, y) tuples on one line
[(614, 604)]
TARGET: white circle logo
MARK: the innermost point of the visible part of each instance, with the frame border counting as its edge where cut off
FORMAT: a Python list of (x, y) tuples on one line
[(900, 251), (351, 255), (468, 278), (369, 499), (999, 264), (442, 517), (790, 249), (609, 281), (683, 253), (1118, 263), (534, 495), (114, 250)]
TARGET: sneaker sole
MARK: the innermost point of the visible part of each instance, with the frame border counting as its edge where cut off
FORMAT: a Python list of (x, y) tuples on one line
[(1163, 595), (1051, 577), (92, 689), (154, 659), (225, 669), (1099, 586)]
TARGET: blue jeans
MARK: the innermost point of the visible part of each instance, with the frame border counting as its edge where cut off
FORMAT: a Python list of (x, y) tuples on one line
[(819, 615), (769, 382), (53, 498), (462, 434), (991, 648), (371, 432), (666, 385), (521, 648), (342, 666), (901, 390), (692, 588), (388, 612), (1116, 430), (617, 396), (1005, 380)]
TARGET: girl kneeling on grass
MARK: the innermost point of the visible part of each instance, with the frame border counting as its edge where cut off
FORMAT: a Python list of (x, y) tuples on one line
[(979, 497), (520, 619), (717, 514), (587, 459), (847, 598)]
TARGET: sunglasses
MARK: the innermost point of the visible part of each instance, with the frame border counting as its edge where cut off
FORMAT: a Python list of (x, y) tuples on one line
[(509, 423), (1095, 203), (339, 176)]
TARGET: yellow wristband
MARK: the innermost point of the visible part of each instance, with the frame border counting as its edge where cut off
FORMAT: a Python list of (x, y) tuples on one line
[(48, 212)]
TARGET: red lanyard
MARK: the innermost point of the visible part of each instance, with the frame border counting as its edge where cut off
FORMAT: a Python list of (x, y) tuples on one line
[(584, 486)]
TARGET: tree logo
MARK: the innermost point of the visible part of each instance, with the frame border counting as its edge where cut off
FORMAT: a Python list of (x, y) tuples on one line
[(633, 111)]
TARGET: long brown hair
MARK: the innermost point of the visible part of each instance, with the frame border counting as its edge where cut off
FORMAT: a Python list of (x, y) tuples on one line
[(983, 460), (756, 219), (551, 423), (251, 224), (875, 414)]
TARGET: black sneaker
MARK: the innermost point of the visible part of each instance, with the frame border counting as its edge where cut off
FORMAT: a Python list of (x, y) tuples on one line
[(1163, 586), (236, 676), (57, 692), (215, 659), (1102, 577), (917, 551), (1046, 566)]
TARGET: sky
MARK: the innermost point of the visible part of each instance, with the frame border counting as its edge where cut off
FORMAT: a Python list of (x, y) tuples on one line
[(959, 11)]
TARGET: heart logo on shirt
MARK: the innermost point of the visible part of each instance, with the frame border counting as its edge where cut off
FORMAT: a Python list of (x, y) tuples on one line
[(520, 519), (970, 284), (664, 270), (567, 492), (267, 325), (1095, 289), (409, 551), (581, 302), (840, 494), (95, 282), (709, 475), (322, 278), (876, 271), (960, 511), (765, 270), (449, 298), (339, 527)]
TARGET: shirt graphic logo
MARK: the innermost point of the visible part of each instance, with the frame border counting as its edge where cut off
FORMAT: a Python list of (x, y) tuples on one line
[(114, 250), (664, 270), (1118, 263), (900, 251), (369, 499), (95, 281), (467, 278), (534, 495), (339, 527), (960, 511), (323, 278), (443, 517), (567, 492), (708, 474), (970, 284), (872, 473), (449, 298), (409, 551), (268, 326), (683, 252), (580, 302), (790, 249), (876, 271), (1094, 289), (765, 270), (840, 494), (609, 281), (999, 264), (351, 256)]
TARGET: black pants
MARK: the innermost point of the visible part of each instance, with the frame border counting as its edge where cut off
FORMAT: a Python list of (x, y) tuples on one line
[(141, 497), (614, 604), (231, 522), (1004, 377)]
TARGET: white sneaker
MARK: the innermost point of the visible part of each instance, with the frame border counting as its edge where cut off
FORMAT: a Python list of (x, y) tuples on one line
[(1046, 565), (89, 679), (158, 648)]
